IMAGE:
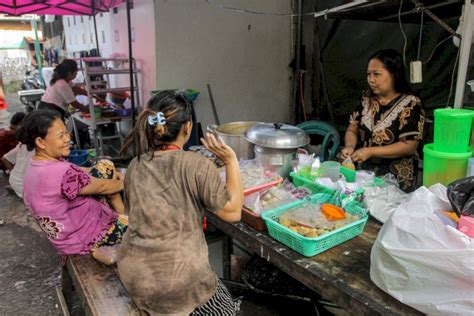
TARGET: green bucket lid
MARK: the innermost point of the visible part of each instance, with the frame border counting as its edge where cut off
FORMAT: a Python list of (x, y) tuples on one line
[(428, 149), (454, 112)]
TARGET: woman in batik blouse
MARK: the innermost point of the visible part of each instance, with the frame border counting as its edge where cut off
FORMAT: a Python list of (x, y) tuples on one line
[(387, 125)]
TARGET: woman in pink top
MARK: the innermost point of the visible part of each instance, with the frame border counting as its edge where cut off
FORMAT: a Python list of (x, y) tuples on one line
[(62, 196)]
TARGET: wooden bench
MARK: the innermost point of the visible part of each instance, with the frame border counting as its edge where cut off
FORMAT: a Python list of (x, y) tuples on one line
[(97, 286)]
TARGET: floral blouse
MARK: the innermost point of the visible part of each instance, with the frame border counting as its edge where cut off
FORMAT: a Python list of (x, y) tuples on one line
[(72, 223), (380, 125)]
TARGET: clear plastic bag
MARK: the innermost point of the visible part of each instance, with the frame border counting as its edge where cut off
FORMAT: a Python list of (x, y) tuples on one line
[(253, 174), (274, 197), (382, 201), (310, 215)]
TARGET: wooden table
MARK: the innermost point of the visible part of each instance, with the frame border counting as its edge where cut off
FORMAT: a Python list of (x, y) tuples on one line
[(340, 274)]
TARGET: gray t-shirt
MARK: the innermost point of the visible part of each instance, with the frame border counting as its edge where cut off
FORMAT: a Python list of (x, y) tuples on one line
[(163, 261)]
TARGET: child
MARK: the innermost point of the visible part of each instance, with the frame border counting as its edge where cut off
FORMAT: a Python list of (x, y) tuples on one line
[(163, 261), (62, 197), (17, 159), (8, 141)]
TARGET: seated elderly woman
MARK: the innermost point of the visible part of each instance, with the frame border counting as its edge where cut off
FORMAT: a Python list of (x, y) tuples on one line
[(69, 205)]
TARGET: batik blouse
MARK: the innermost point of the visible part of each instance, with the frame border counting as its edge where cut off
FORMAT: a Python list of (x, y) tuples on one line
[(381, 125)]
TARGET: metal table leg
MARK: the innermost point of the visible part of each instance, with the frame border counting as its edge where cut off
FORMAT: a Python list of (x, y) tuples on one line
[(227, 248)]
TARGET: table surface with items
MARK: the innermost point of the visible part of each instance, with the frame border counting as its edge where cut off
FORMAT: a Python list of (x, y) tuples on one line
[(340, 274)]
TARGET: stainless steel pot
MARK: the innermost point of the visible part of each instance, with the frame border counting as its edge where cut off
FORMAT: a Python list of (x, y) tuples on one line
[(233, 134), (276, 145)]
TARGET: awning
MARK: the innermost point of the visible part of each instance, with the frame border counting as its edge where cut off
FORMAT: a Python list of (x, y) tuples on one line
[(58, 7)]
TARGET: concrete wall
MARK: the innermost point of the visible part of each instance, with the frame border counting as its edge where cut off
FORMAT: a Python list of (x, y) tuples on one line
[(244, 57)]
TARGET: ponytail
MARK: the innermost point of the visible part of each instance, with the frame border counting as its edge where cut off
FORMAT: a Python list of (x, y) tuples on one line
[(149, 132)]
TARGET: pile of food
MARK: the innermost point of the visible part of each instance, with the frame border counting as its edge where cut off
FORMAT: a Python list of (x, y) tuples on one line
[(254, 174), (274, 197), (313, 220)]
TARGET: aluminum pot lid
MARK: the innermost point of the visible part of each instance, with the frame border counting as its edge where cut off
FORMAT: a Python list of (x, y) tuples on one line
[(276, 135)]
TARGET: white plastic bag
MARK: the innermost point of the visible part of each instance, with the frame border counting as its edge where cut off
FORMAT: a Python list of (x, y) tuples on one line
[(382, 201), (421, 261)]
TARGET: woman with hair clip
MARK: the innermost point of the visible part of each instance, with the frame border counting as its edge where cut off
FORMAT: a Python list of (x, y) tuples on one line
[(60, 93), (163, 261), (387, 125)]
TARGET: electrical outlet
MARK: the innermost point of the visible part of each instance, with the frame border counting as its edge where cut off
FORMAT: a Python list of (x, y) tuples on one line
[(416, 72)]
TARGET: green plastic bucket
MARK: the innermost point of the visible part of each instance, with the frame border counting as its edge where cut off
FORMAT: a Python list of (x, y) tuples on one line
[(452, 130), (441, 167)]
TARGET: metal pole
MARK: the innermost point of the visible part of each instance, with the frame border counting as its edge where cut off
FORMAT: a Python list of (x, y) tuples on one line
[(96, 36), (39, 59), (130, 64), (465, 48), (296, 77)]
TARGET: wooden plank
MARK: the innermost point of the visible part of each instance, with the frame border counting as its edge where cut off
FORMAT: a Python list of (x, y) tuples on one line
[(99, 288), (340, 274)]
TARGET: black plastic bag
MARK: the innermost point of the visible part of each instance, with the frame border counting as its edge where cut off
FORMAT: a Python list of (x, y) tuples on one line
[(461, 196)]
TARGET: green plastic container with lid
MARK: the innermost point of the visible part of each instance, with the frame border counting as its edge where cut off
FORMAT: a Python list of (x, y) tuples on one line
[(452, 130), (444, 168)]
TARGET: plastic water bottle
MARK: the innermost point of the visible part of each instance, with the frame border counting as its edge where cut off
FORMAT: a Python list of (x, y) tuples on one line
[(470, 168)]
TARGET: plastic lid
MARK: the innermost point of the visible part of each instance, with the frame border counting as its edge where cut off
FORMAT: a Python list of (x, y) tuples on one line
[(276, 135), (428, 149), (454, 112)]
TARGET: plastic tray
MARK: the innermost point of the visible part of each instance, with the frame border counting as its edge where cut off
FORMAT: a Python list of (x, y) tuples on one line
[(263, 186), (312, 246), (253, 220)]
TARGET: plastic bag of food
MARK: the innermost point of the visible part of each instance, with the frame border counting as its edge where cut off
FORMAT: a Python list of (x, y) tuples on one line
[(106, 254), (306, 164), (348, 163), (274, 197), (253, 174)]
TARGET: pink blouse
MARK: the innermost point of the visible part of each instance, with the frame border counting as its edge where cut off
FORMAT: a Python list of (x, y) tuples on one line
[(73, 223)]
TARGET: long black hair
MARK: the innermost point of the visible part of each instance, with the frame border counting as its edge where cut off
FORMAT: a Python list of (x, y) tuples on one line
[(393, 63), (148, 136), (35, 125), (62, 70)]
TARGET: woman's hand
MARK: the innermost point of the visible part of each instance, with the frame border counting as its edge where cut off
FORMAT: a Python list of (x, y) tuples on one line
[(362, 154), (346, 152), (217, 146)]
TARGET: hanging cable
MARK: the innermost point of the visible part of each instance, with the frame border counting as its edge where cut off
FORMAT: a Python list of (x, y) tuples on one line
[(421, 35), (434, 49), (452, 77), (403, 32)]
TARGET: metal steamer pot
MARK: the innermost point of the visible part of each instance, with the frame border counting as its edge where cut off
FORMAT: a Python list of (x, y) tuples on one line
[(276, 145), (233, 134)]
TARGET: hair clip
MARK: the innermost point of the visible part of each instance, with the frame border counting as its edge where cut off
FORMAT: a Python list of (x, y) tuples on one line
[(158, 118)]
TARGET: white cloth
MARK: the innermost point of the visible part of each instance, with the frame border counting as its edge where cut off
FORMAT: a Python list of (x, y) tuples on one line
[(60, 94), (19, 157)]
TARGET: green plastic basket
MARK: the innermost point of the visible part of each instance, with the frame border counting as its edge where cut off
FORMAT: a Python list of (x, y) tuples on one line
[(312, 246), (318, 188)]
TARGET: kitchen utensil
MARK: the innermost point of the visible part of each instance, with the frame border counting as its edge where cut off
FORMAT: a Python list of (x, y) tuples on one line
[(276, 145), (233, 134)]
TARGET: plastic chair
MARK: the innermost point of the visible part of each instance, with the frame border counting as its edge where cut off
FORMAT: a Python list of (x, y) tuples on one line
[(331, 142)]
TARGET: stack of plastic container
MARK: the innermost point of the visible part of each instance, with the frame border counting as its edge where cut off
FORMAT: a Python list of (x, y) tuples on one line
[(446, 160)]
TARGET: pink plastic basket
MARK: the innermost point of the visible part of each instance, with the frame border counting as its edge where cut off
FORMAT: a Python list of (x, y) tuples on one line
[(263, 186)]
